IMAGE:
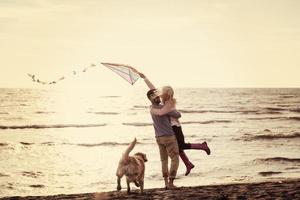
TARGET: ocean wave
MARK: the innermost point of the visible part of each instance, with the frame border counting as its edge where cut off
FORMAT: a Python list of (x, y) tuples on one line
[(294, 118), (278, 136), (291, 168), (265, 118), (274, 108), (110, 96), (186, 122), (7, 146), (268, 135), (284, 105), (44, 112), (267, 111), (206, 122), (9, 186), (37, 186), (272, 118), (4, 113), (13, 118), (100, 144), (287, 96), (4, 175), (51, 126), (274, 136), (192, 136), (270, 112), (268, 173), (3, 144), (63, 174), (207, 111), (26, 143), (48, 143), (295, 110), (278, 160), (137, 124), (140, 107), (250, 112), (104, 113), (32, 174), (193, 111), (104, 144), (76, 144)]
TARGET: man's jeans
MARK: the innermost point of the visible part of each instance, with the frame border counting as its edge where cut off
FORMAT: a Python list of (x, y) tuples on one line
[(168, 147)]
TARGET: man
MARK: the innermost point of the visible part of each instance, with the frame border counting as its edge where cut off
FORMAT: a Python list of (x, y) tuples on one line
[(165, 136)]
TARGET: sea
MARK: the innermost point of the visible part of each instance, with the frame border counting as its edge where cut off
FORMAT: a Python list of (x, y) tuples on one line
[(61, 142)]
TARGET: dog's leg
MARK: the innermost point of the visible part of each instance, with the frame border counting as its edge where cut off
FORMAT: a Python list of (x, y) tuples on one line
[(136, 184), (128, 186), (141, 186), (119, 174), (119, 184)]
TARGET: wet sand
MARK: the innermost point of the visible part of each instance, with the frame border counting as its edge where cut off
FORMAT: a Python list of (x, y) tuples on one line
[(286, 189)]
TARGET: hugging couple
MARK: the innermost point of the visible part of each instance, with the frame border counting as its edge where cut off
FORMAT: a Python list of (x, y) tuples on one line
[(168, 132)]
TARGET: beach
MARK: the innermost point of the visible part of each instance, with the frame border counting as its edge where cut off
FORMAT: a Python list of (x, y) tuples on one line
[(287, 189)]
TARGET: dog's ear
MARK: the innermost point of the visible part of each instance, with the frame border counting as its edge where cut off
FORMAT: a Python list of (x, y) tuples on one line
[(142, 155), (145, 157)]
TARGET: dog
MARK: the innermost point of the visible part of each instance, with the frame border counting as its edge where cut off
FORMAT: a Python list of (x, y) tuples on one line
[(133, 167)]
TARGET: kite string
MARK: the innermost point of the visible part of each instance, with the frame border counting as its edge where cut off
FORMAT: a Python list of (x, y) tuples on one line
[(74, 72), (130, 74)]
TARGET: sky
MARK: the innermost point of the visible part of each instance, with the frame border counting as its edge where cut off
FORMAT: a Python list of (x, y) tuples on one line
[(182, 43)]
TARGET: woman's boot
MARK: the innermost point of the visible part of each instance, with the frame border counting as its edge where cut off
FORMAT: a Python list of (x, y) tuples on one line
[(203, 146), (189, 166)]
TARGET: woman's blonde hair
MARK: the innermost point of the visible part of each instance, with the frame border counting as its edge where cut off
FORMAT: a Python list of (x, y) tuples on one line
[(168, 95)]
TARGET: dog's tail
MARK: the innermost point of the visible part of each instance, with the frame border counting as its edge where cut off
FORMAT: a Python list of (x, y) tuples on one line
[(129, 149)]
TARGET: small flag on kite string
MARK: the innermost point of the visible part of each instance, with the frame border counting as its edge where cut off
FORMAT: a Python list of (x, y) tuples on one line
[(125, 71)]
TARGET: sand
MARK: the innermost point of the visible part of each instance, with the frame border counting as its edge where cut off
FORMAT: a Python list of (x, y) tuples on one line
[(286, 189)]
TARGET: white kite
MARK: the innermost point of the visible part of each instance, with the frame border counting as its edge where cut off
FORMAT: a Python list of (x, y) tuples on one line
[(125, 71)]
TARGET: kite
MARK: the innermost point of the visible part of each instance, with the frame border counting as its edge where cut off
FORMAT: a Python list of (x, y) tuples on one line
[(125, 71)]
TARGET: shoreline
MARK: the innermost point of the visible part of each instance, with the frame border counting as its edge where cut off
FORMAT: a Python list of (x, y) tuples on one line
[(280, 189)]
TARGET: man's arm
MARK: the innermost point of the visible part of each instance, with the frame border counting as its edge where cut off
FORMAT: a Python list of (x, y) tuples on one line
[(174, 114), (148, 83), (162, 111)]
